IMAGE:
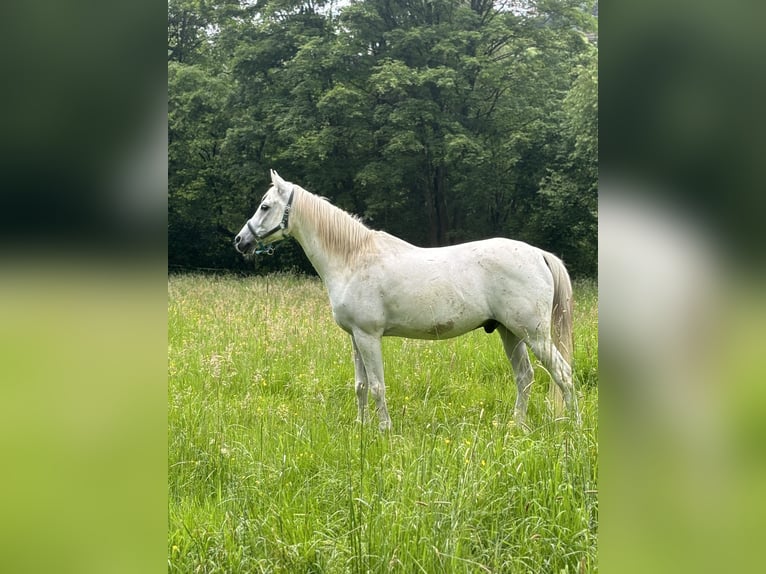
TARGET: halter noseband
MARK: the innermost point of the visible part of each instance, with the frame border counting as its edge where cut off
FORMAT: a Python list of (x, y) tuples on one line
[(282, 226)]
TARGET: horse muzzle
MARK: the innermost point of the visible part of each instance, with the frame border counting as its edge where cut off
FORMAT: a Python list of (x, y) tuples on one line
[(243, 245)]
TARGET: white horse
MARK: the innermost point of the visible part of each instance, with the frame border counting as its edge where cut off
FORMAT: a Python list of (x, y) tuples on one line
[(380, 285)]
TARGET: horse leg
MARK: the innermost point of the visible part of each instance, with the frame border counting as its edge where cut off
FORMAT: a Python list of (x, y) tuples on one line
[(559, 369), (369, 348), (516, 351), (360, 381)]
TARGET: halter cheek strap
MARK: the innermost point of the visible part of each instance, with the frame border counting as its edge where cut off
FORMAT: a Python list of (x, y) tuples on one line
[(282, 224)]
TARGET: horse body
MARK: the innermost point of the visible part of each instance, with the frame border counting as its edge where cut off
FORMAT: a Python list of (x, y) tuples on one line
[(414, 293), (380, 285)]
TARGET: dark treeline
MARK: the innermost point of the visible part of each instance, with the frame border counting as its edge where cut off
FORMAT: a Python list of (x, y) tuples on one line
[(439, 121)]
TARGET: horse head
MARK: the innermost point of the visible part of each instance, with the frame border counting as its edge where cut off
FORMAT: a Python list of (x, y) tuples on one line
[(270, 222)]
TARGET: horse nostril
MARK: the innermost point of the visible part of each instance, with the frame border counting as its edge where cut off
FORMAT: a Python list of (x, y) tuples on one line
[(237, 239)]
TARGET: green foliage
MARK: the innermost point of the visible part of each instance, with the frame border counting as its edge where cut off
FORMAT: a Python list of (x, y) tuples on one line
[(569, 192), (438, 121), (269, 472)]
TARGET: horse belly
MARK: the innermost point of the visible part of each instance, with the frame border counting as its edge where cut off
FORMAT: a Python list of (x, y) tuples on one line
[(438, 312), (433, 331)]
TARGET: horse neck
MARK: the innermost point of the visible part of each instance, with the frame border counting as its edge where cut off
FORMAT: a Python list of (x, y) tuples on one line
[(331, 238)]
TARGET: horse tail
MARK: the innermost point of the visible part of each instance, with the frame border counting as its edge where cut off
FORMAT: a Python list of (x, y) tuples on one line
[(561, 321)]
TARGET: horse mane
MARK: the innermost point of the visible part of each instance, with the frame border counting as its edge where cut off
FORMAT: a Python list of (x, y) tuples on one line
[(339, 232)]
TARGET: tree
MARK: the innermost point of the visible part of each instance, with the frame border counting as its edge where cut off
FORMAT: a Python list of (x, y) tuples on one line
[(439, 121), (569, 208)]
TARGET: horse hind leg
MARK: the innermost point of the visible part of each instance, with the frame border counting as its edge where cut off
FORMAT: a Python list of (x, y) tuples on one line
[(559, 369), (516, 351)]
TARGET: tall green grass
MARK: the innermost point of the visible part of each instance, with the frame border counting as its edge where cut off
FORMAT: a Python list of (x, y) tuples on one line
[(269, 472)]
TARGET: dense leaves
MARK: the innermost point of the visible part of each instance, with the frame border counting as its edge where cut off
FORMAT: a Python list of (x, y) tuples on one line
[(439, 121)]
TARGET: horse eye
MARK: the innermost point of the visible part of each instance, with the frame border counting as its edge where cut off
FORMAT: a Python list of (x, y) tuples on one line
[(265, 207)]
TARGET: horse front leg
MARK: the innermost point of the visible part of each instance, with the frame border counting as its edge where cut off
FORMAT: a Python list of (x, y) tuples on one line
[(360, 381), (368, 347)]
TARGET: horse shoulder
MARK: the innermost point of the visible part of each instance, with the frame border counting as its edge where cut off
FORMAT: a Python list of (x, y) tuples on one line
[(355, 298)]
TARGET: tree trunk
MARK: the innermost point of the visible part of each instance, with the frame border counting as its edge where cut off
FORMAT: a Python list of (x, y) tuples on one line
[(440, 199), (436, 206)]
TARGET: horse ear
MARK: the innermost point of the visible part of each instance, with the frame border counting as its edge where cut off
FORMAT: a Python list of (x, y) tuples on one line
[(278, 182)]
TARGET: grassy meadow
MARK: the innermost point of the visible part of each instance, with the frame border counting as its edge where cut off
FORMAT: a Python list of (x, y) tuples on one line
[(269, 472)]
